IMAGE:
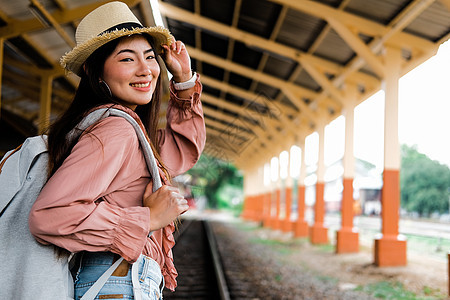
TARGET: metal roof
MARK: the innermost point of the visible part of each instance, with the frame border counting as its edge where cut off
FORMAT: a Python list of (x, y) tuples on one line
[(271, 70)]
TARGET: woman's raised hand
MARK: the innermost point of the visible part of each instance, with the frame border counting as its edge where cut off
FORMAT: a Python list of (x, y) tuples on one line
[(177, 61), (166, 204)]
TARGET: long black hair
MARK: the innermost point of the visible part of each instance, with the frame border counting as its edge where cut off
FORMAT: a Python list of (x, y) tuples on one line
[(92, 92)]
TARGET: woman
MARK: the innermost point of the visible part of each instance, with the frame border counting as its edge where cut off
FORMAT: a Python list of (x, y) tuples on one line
[(98, 199)]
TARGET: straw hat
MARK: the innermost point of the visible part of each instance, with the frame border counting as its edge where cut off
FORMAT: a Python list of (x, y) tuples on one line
[(106, 23)]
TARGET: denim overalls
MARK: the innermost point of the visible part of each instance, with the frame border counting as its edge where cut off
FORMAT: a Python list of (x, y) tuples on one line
[(147, 278)]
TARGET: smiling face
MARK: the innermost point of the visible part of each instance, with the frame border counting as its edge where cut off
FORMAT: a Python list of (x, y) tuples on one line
[(131, 71)]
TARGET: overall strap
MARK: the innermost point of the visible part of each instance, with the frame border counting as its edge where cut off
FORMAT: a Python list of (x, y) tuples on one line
[(97, 286)]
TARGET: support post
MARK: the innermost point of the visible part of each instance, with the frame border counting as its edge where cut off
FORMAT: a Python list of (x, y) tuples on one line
[(45, 103), (287, 224), (301, 226), (247, 194), (276, 221), (267, 196), (390, 248), (267, 208), (318, 232), (347, 238), (253, 204)]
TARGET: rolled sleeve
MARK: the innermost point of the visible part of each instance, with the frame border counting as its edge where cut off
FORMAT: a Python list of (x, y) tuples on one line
[(183, 140), (130, 236)]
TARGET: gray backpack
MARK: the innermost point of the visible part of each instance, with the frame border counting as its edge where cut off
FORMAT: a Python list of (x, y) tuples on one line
[(30, 270)]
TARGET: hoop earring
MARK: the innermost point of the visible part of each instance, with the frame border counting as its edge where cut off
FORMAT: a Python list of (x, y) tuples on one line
[(107, 87)]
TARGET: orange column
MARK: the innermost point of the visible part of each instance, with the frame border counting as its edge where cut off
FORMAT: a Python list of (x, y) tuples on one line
[(267, 209), (259, 208), (287, 225), (249, 183), (254, 216), (276, 224), (251, 208), (301, 226), (245, 209), (318, 232), (267, 196), (390, 249), (347, 239), (254, 208)]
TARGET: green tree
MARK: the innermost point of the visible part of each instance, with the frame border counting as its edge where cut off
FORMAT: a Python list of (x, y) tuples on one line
[(425, 183), (214, 176)]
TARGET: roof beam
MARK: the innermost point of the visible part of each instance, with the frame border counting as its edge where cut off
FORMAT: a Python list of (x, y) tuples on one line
[(368, 27), (271, 46), (326, 84), (265, 120), (250, 158), (18, 27), (37, 5), (273, 35), (238, 109), (57, 70), (221, 150), (245, 71), (293, 92), (252, 97), (404, 18), (446, 3), (4, 17), (356, 77), (239, 122), (236, 138), (253, 152), (234, 23), (281, 111), (241, 134), (176, 13), (34, 83), (28, 68), (358, 46), (61, 4)]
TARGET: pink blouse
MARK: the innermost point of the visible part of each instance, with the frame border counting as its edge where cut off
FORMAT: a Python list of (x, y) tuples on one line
[(93, 202)]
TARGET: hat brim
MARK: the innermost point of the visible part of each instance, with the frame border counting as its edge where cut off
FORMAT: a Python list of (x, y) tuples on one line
[(73, 61)]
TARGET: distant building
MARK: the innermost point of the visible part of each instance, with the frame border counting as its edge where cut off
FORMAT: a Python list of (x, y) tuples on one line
[(366, 187)]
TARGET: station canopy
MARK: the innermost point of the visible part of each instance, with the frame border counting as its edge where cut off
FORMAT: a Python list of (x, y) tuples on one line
[(272, 71)]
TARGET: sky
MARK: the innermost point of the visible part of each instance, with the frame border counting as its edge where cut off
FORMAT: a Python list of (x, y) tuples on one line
[(424, 116)]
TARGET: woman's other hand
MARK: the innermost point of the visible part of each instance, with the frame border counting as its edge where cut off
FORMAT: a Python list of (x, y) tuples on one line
[(166, 204), (177, 61)]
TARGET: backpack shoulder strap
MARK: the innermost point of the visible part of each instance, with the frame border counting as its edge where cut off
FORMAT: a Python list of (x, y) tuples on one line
[(148, 153), (101, 113), (90, 119)]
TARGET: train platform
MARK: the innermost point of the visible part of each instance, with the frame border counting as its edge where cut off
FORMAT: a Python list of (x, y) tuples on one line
[(424, 276)]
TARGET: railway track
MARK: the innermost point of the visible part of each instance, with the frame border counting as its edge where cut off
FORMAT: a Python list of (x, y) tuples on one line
[(198, 264), (223, 266)]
